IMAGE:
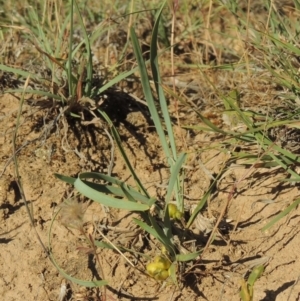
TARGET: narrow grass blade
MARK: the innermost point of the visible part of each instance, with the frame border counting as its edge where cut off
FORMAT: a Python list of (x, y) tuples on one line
[(211, 126), (174, 176), (100, 176), (281, 215), (158, 85), (247, 289), (156, 232), (69, 65), (60, 39), (244, 293), (161, 232), (103, 244), (20, 72), (255, 274), (165, 111), (201, 204), (89, 67), (66, 179), (167, 225), (148, 229), (36, 92), (148, 93), (188, 257), (123, 153), (115, 80), (172, 271)]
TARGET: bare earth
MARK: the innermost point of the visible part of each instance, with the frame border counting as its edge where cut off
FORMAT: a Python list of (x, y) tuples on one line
[(27, 274)]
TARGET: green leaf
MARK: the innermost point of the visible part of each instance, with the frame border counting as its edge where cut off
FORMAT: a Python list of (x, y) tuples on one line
[(108, 189), (115, 80), (165, 239), (147, 228), (155, 232), (20, 72), (89, 68), (36, 92), (123, 153), (167, 224), (281, 215), (158, 86), (103, 244), (255, 274), (172, 271), (106, 200), (244, 293), (203, 201), (148, 93), (69, 64), (174, 176), (188, 257), (66, 179)]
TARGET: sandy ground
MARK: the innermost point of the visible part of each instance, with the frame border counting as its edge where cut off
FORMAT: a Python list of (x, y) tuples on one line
[(26, 272)]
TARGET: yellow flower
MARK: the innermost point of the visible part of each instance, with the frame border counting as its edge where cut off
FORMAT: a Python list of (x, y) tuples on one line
[(174, 213), (159, 269)]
